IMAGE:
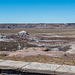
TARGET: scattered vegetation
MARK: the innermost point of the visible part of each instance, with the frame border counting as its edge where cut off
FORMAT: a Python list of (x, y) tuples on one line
[(44, 59)]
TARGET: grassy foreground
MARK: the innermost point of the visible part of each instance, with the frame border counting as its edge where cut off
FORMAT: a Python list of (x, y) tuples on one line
[(42, 59), (34, 31)]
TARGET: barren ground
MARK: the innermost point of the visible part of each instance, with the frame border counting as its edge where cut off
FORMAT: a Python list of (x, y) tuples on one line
[(37, 54)]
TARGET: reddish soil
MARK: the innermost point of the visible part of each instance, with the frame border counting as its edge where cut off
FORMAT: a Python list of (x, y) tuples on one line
[(34, 51)]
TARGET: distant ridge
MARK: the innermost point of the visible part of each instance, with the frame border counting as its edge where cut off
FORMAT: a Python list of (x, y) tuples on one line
[(38, 25)]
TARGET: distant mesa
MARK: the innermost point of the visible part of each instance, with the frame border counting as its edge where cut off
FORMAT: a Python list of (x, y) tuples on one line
[(39, 25)]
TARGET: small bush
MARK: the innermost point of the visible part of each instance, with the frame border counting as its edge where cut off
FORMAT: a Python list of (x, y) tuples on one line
[(4, 54)]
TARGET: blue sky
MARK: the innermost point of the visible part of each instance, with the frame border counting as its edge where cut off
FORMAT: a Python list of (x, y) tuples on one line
[(37, 11)]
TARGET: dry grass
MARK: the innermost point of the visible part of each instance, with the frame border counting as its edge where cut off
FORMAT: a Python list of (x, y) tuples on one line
[(33, 31), (43, 59)]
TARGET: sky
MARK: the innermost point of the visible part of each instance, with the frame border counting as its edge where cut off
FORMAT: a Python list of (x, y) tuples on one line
[(37, 11)]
